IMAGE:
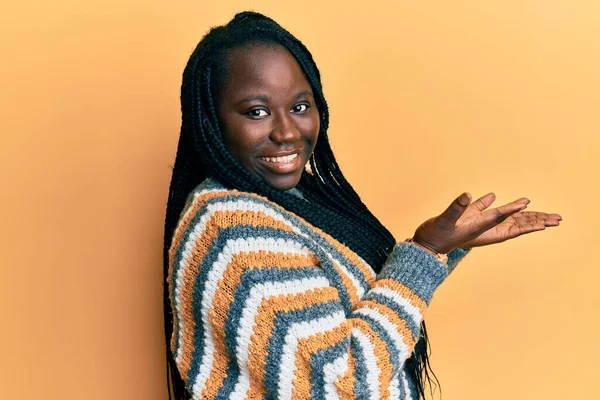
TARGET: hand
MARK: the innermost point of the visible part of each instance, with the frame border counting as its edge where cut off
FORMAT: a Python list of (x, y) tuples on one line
[(471, 225)]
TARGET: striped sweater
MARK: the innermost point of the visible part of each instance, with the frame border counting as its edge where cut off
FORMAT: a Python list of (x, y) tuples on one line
[(267, 306)]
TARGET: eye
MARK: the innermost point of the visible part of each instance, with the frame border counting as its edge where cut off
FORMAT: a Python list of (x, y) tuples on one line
[(299, 108), (258, 113)]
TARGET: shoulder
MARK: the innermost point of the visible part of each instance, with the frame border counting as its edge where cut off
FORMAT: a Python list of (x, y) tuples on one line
[(212, 209), (220, 223), (212, 197)]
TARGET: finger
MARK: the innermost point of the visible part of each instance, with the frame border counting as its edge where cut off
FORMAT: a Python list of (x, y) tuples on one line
[(530, 215), (484, 202), (535, 217), (550, 222), (495, 216), (523, 229), (456, 209), (546, 222), (556, 216)]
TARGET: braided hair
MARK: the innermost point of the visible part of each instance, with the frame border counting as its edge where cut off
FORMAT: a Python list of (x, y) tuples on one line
[(333, 204)]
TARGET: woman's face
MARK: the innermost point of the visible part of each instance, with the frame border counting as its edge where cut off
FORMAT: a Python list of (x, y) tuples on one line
[(268, 114)]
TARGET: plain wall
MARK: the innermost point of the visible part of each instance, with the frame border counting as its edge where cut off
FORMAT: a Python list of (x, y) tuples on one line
[(428, 99)]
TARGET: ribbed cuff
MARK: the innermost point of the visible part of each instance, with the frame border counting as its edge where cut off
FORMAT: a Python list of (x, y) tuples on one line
[(415, 268), (455, 256)]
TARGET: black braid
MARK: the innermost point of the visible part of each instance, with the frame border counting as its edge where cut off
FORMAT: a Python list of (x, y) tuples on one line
[(334, 206)]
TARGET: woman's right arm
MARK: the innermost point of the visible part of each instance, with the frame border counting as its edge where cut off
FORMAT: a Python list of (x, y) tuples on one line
[(255, 313)]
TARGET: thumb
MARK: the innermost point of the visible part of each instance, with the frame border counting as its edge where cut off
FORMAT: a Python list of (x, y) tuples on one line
[(456, 209)]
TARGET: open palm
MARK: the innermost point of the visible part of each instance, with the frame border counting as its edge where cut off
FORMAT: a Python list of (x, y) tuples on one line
[(465, 224), (520, 223)]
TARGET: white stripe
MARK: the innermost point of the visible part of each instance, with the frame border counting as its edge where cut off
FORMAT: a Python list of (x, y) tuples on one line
[(394, 387), (241, 387), (401, 302), (295, 333), (231, 249), (191, 206), (389, 327), (373, 371), (407, 394), (195, 197), (189, 245), (332, 371), (257, 295)]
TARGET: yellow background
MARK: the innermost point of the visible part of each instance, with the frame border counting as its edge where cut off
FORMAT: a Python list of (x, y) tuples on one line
[(428, 99)]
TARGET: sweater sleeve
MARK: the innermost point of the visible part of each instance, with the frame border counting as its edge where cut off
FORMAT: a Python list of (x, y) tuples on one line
[(256, 315), (455, 257)]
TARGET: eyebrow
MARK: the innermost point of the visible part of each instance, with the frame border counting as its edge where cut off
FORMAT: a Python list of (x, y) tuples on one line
[(304, 93), (266, 99)]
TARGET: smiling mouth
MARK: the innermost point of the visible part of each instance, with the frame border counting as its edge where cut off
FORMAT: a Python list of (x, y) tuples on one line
[(280, 160), (283, 164)]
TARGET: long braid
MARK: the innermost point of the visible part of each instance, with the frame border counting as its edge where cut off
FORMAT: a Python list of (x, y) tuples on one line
[(334, 206), (332, 177)]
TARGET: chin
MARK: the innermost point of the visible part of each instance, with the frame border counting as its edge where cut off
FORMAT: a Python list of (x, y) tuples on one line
[(283, 183)]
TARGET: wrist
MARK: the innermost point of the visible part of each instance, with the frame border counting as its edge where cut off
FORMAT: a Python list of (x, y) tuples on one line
[(424, 244), (440, 256)]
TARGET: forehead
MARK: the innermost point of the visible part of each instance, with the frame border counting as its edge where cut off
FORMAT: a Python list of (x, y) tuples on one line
[(259, 67)]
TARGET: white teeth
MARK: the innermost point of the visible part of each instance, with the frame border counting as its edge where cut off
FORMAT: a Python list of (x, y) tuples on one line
[(284, 159)]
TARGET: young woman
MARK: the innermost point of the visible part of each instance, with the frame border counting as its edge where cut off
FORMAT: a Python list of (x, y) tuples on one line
[(281, 284)]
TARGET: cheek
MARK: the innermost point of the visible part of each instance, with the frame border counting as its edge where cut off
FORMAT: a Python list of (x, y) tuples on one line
[(310, 126), (240, 138), (315, 124)]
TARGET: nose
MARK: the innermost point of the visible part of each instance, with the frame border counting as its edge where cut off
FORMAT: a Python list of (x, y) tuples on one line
[(285, 129)]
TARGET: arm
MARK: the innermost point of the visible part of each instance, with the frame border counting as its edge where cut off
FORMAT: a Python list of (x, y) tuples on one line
[(255, 312)]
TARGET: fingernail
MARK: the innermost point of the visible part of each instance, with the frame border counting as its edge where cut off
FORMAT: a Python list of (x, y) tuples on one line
[(526, 201), (464, 199)]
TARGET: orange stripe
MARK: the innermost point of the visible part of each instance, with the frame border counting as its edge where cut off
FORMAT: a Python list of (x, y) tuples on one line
[(345, 383), (185, 222), (240, 263), (219, 221), (255, 392), (309, 346), (404, 291), (381, 353), (265, 322)]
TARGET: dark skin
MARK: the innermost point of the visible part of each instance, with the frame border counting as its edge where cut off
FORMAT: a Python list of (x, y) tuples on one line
[(270, 124), (268, 114)]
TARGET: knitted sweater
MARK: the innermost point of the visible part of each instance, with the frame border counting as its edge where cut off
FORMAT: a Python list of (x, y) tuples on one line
[(267, 306)]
